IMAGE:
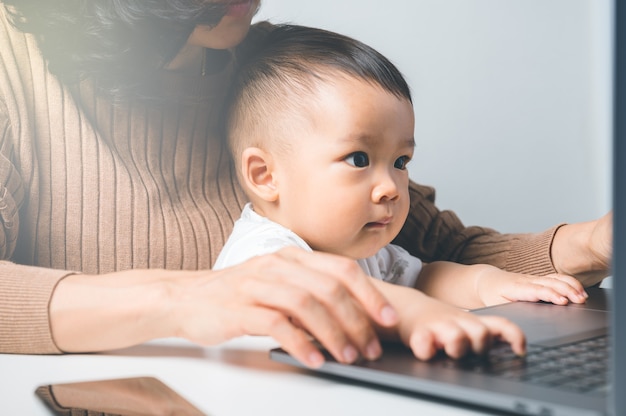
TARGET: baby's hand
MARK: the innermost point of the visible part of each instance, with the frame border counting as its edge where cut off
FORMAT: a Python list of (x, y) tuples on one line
[(428, 325), (495, 286)]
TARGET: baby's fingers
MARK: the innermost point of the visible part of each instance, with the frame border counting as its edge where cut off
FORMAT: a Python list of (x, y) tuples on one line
[(423, 344), (445, 335), (547, 289), (505, 330), (555, 289), (479, 334), (566, 286)]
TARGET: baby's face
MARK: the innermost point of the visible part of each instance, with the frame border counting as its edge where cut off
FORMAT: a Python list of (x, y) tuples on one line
[(344, 186)]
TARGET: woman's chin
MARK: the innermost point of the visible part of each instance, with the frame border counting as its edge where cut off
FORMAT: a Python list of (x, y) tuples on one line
[(223, 36)]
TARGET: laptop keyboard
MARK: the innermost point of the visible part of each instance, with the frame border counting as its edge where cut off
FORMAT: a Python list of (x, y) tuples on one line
[(579, 367)]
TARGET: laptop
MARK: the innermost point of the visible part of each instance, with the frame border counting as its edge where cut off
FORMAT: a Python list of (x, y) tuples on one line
[(573, 366)]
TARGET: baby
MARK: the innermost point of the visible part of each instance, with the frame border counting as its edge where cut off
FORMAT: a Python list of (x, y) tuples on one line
[(321, 128)]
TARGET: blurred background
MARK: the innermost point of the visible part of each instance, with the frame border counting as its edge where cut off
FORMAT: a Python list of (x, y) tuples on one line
[(512, 99)]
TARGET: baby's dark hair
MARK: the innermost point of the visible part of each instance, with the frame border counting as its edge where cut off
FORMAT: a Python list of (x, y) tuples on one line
[(119, 43), (285, 65)]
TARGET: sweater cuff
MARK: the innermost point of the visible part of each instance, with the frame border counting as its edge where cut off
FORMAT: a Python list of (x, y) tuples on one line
[(532, 255), (24, 308)]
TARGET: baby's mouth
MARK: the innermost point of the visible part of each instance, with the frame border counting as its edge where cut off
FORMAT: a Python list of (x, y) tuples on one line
[(379, 224)]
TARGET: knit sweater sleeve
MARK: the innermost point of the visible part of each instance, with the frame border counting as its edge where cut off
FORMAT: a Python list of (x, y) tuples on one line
[(431, 235), (25, 291)]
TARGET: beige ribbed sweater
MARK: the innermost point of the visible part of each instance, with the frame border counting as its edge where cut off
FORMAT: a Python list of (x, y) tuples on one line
[(89, 186)]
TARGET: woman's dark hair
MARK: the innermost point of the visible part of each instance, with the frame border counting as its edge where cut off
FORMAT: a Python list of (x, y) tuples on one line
[(120, 43)]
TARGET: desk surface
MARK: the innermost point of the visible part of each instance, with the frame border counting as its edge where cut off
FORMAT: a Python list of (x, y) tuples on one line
[(236, 378)]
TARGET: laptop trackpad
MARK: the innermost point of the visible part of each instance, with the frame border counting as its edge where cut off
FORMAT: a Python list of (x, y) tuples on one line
[(550, 325)]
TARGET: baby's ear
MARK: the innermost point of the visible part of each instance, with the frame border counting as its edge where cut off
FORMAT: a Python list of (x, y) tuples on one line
[(258, 174)]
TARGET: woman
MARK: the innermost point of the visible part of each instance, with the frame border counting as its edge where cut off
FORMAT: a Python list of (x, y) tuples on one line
[(116, 195)]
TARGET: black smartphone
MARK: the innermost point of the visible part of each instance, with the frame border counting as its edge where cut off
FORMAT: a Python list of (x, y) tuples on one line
[(136, 396)]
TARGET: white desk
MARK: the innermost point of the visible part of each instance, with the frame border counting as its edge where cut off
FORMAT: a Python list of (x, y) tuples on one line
[(236, 378)]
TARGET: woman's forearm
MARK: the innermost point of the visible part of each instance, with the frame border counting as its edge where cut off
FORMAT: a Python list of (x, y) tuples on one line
[(584, 250), (328, 295), (97, 313)]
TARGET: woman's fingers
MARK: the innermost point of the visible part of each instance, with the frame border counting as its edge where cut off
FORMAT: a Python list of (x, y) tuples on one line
[(338, 308), (352, 277), (293, 302), (292, 339), (346, 293)]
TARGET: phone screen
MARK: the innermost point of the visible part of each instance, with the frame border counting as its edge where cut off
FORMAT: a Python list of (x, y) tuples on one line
[(137, 396)]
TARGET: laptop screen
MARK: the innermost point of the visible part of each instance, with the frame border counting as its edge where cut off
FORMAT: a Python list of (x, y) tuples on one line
[(617, 399)]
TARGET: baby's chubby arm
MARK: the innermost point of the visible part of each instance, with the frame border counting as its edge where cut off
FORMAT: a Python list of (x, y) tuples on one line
[(482, 285), (427, 325)]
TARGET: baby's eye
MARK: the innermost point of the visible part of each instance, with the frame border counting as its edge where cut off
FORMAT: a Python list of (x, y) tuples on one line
[(401, 162), (358, 159)]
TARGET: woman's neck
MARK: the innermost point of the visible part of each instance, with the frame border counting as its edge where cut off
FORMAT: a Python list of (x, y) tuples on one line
[(191, 59), (195, 60)]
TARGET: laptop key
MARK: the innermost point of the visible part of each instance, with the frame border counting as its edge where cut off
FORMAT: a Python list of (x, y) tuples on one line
[(577, 367)]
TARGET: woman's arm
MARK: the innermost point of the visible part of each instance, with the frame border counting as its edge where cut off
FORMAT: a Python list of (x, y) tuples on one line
[(286, 295), (434, 235), (584, 250), (24, 290), (24, 298)]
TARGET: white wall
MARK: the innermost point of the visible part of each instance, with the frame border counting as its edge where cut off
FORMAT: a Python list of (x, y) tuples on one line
[(511, 97)]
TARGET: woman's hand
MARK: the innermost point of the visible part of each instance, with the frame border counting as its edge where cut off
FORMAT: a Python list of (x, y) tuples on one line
[(289, 295), (286, 295), (428, 326)]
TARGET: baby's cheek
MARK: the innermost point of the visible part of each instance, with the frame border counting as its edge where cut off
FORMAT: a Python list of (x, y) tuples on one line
[(405, 204)]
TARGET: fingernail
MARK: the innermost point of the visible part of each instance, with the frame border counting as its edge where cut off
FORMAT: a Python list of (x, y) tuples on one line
[(373, 350), (316, 359), (389, 315), (350, 354)]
